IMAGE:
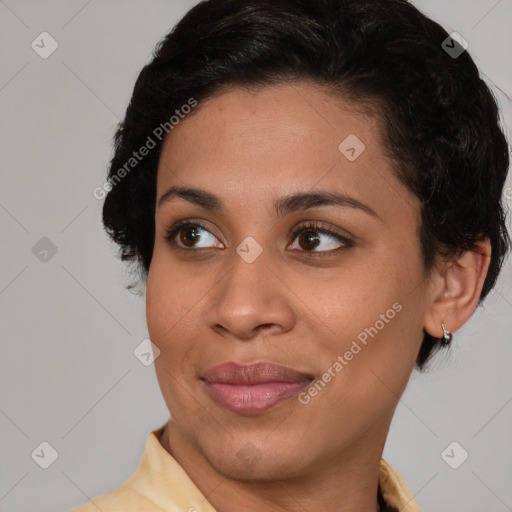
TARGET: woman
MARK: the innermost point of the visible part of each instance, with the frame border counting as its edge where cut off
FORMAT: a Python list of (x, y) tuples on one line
[(312, 192)]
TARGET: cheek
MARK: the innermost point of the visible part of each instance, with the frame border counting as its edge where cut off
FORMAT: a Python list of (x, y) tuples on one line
[(343, 306), (365, 373), (168, 301), (372, 320), (173, 316), (168, 327), (159, 305)]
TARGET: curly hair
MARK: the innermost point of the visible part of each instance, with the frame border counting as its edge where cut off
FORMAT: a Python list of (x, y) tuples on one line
[(440, 119)]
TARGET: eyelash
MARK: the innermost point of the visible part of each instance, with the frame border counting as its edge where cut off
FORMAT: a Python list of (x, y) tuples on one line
[(309, 226), (314, 226)]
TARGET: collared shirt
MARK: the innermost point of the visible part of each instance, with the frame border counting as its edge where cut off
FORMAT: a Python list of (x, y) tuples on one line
[(160, 484)]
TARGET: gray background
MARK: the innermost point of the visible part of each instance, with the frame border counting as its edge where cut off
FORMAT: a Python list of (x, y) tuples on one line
[(68, 327)]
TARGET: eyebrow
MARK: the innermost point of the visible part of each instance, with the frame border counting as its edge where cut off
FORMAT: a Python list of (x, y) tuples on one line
[(284, 205)]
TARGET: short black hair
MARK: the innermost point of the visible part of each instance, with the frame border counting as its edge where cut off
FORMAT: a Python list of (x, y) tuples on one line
[(441, 120)]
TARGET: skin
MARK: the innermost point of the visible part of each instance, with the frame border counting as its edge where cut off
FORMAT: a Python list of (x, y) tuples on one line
[(291, 305)]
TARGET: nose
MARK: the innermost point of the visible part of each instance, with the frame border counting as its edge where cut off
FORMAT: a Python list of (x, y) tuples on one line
[(250, 300)]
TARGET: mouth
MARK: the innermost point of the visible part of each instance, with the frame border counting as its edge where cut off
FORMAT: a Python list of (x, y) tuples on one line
[(253, 388)]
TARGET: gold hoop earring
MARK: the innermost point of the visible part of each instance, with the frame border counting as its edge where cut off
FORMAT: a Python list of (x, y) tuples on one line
[(447, 335)]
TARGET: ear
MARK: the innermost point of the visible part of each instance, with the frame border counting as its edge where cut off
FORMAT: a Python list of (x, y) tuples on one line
[(456, 288)]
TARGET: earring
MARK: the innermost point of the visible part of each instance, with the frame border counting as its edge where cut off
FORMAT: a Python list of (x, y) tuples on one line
[(447, 335)]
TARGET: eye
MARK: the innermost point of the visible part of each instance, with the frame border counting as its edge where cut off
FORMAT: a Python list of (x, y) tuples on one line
[(194, 235), (310, 237), (191, 235)]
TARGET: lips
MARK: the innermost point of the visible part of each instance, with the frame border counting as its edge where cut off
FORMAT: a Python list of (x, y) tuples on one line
[(253, 388)]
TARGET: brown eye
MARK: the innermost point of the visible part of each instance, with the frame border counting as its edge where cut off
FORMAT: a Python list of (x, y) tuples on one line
[(309, 241), (191, 235), (311, 236)]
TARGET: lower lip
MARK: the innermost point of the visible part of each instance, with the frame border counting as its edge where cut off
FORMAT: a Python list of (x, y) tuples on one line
[(255, 398)]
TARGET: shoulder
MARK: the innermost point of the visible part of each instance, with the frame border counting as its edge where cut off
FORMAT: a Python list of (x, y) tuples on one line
[(123, 499), (395, 491)]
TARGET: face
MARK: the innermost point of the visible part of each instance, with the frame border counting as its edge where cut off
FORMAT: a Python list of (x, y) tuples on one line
[(334, 291)]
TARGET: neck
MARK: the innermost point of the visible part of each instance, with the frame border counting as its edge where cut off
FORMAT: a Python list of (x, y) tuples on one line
[(344, 483)]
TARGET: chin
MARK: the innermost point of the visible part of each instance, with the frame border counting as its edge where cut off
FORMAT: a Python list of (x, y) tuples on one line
[(265, 468), (243, 458)]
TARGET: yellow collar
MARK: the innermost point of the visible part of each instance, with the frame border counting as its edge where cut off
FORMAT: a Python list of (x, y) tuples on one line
[(160, 484)]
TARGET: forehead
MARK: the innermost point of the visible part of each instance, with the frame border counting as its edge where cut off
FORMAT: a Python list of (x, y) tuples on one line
[(266, 141)]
